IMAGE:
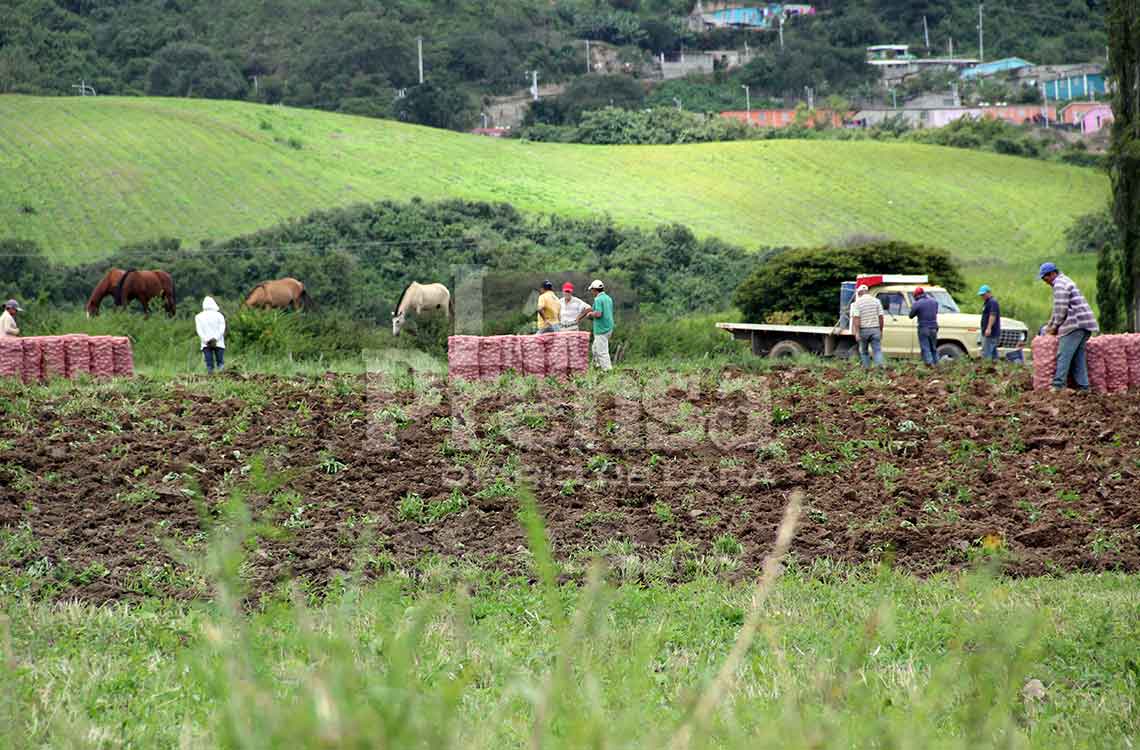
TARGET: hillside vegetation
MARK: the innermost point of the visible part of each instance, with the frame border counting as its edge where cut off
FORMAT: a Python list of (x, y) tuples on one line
[(84, 176)]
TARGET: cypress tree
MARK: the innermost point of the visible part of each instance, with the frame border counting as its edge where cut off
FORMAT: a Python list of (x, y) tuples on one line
[(1124, 60)]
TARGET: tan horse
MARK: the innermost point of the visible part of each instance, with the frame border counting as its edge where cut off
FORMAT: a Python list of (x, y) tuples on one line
[(279, 294), (419, 297), (125, 286)]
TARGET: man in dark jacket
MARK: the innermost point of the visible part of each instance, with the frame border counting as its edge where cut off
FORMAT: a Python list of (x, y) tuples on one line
[(925, 308), (991, 323)]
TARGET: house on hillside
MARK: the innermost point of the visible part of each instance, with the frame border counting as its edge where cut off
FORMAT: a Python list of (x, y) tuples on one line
[(754, 16), (1066, 82), (937, 117), (896, 63), (1090, 117), (985, 70), (782, 118)]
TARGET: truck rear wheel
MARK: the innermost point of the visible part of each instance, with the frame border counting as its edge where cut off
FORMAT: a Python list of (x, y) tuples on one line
[(786, 348), (950, 351)]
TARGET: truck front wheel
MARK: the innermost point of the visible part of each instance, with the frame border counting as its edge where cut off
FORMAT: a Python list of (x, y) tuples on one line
[(786, 348), (950, 351)]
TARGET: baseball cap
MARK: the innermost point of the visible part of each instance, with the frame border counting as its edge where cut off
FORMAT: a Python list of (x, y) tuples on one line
[(919, 291), (984, 288), (567, 287), (862, 288), (15, 304), (547, 285), (1046, 268), (597, 284)]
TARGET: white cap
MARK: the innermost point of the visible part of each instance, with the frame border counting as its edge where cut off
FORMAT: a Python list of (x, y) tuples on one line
[(862, 288), (597, 284)]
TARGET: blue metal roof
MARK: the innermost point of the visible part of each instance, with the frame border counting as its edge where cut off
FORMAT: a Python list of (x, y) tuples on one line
[(997, 66), (739, 17)]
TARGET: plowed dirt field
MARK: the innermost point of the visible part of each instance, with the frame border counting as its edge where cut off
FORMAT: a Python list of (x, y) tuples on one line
[(105, 489)]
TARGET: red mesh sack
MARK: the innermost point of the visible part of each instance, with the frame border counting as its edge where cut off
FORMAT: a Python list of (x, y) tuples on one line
[(1132, 344), (124, 356), (102, 356), (78, 346), (1098, 364), (557, 347), (579, 351), (55, 356), (1044, 360), (533, 355), (32, 368), (1116, 361), (11, 357), (510, 352), (463, 357), (490, 364)]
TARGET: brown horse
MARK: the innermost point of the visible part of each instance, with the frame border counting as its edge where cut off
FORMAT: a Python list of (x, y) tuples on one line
[(125, 286), (278, 294)]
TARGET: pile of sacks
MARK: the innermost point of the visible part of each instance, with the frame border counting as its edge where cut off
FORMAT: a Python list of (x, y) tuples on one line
[(1113, 362), (37, 358), (558, 355)]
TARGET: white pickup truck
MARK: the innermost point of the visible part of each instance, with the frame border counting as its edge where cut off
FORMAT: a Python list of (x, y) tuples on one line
[(958, 333)]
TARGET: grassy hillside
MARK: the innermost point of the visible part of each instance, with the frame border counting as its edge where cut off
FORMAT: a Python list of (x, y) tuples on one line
[(82, 176)]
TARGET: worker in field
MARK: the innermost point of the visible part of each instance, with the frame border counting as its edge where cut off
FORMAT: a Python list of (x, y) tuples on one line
[(1074, 322), (991, 323), (8, 325), (603, 315), (573, 308), (549, 310), (867, 326), (211, 327), (925, 308)]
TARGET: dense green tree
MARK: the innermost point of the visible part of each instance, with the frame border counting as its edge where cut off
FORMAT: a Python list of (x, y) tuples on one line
[(1124, 33), (188, 69), (436, 105)]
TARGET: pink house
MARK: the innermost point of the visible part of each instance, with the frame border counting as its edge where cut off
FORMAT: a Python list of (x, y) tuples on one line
[(1096, 118), (782, 118)]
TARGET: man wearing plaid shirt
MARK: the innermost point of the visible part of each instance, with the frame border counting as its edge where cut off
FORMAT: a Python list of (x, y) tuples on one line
[(1074, 322)]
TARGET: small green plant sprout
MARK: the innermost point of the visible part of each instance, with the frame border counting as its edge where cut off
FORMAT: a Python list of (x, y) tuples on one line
[(411, 508), (818, 463), (663, 512), (1069, 496), (330, 464), (454, 503), (599, 463), (655, 459), (568, 487), (397, 416), (534, 421), (781, 414), (773, 451), (1104, 543), (727, 544)]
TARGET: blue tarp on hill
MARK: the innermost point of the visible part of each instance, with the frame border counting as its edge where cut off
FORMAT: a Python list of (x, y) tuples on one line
[(739, 17)]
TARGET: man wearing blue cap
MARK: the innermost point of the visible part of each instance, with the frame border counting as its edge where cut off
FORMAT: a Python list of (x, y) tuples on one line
[(991, 323), (1074, 322)]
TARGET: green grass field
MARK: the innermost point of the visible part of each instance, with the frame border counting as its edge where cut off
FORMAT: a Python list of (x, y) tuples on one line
[(82, 176)]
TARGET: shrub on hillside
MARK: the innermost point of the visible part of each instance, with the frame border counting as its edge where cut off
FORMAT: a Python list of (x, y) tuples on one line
[(1089, 233), (611, 126), (807, 280)]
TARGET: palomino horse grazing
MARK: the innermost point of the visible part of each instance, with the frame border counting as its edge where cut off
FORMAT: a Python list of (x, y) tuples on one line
[(279, 293), (125, 286), (419, 297)]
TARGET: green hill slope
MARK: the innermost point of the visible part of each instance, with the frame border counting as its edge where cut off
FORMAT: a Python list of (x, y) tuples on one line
[(83, 176)]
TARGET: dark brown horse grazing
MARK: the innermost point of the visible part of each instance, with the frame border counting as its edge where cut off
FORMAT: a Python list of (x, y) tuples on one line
[(125, 286)]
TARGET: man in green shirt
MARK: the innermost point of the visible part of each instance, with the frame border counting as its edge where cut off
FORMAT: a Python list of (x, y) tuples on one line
[(603, 315)]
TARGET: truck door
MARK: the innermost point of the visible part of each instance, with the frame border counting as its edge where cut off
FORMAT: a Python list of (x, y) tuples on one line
[(900, 332)]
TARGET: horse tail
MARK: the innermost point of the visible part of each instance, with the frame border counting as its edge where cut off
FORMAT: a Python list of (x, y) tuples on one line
[(451, 306), (307, 302), (168, 287), (121, 287)]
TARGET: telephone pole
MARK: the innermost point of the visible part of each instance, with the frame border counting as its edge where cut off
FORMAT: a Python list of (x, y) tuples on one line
[(587, 55), (781, 30), (926, 32), (534, 83), (981, 37), (747, 103), (420, 54)]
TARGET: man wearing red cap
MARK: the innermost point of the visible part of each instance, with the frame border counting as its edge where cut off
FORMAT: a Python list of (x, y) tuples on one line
[(925, 308), (573, 309)]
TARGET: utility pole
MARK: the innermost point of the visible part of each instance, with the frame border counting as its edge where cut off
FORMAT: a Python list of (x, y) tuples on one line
[(926, 32), (420, 54), (781, 30), (484, 116), (748, 103), (255, 85), (588, 67), (951, 44), (1045, 106), (534, 83), (894, 99), (810, 96), (981, 37), (677, 102)]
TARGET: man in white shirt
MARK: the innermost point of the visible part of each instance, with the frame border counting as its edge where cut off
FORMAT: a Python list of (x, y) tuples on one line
[(211, 326), (573, 309), (8, 325), (867, 326)]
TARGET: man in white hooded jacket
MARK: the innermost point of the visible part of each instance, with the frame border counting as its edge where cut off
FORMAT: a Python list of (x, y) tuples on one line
[(211, 325)]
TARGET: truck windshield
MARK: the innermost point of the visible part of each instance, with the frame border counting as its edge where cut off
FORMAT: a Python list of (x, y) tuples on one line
[(946, 303)]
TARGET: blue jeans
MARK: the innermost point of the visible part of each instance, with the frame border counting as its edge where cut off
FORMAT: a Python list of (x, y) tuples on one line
[(871, 338), (552, 328), (928, 342), (1071, 358), (990, 347), (215, 356)]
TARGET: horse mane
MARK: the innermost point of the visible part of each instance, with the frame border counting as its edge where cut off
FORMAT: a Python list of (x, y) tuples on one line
[(119, 287), (101, 290), (403, 294), (170, 303)]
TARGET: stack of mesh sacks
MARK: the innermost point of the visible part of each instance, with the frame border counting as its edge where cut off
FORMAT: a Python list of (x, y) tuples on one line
[(37, 358), (558, 355), (1113, 362)]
